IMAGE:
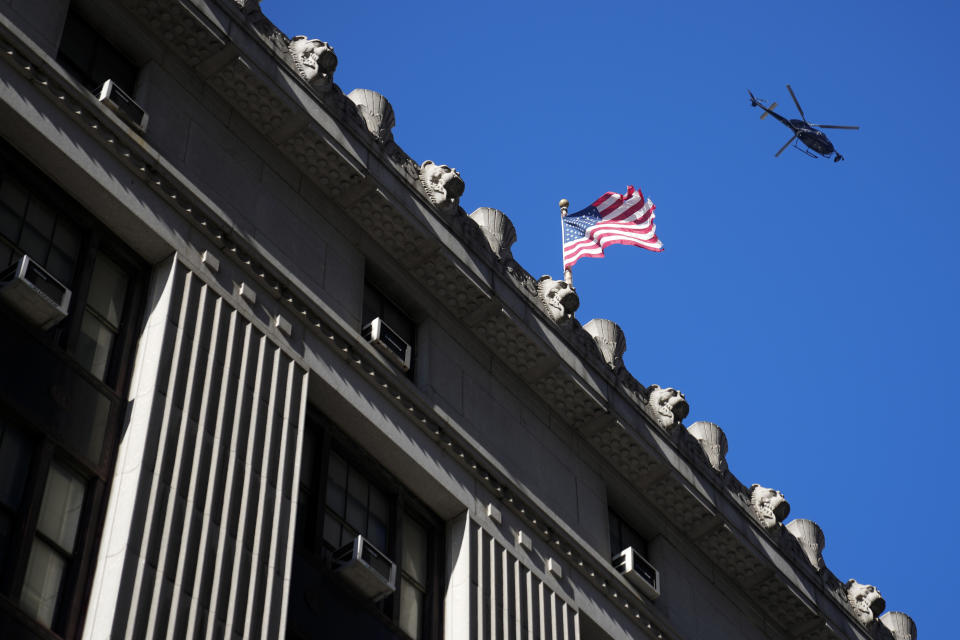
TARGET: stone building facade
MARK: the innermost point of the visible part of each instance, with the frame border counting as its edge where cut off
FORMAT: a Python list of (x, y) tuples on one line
[(263, 377)]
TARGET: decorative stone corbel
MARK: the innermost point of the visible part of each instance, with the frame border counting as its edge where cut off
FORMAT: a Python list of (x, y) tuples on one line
[(558, 298), (769, 505), (497, 229), (610, 339), (667, 406), (810, 536), (443, 185), (376, 112), (865, 600), (315, 61), (713, 441), (900, 625)]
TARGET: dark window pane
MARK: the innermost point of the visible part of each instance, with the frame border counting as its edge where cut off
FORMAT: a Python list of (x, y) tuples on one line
[(6, 523), (77, 47), (357, 489), (623, 535), (398, 322), (109, 63), (61, 266), (413, 558), (14, 196), (379, 516), (91, 59), (14, 461), (331, 531), (67, 239), (346, 536), (9, 225), (337, 485), (108, 288), (7, 255), (41, 218), (308, 462), (371, 304), (34, 245)]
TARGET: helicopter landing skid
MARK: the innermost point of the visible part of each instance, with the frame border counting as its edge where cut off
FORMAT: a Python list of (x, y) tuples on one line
[(804, 149)]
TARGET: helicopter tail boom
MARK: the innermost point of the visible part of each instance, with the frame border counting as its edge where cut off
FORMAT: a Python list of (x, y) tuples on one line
[(757, 102)]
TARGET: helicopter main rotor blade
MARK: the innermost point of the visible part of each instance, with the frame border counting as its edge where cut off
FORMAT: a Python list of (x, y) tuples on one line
[(783, 148), (796, 102), (833, 126)]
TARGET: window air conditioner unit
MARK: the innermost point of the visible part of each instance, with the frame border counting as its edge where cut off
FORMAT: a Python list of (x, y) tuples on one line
[(367, 568), (639, 572), (387, 340), (115, 98), (36, 294)]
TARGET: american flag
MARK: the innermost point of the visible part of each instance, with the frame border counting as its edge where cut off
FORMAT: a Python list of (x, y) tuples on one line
[(612, 219)]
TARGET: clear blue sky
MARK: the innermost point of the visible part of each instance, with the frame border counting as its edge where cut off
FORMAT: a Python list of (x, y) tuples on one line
[(808, 308)]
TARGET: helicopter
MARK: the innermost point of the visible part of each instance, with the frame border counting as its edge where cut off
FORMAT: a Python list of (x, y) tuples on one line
[(809, 134)]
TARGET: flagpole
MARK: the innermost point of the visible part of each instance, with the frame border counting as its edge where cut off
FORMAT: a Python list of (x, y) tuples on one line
[(567, 273)]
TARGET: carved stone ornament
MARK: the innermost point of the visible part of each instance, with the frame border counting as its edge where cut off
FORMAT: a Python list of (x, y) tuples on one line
[(497, 229), (865, 600), (769, 505), (810, 536), (610, 339), (558, 298), (376, 113), (443, 185), (713, 441), (315, 61), (667, 406), (248, 5), (900, 625)]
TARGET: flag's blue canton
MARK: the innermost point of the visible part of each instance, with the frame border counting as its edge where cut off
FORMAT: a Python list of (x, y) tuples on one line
[(575, 225)]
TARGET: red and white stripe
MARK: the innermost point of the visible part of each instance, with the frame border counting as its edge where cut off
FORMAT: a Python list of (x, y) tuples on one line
[(626, 219)]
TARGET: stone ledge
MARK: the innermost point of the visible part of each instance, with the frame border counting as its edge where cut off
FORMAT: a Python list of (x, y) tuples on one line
[(180, 27), (783, 604), (319, 157), (733, 556), (632, 459)]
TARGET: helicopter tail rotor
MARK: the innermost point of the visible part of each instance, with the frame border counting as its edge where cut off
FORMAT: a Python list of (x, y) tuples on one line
[(757, 102)]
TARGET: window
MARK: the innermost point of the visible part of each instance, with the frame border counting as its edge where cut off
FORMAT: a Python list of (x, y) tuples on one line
[(53, 544), (100, 323), (378, 306), (414, 575), (61, 402), (30, 225), (352, 505), (44, 521), (91, 58), (344, 493), (622, 535), (39, 221)]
